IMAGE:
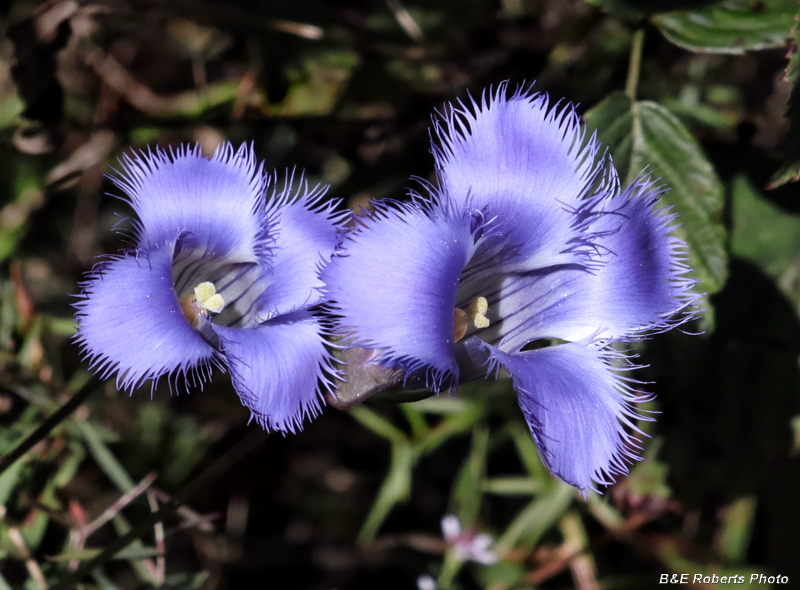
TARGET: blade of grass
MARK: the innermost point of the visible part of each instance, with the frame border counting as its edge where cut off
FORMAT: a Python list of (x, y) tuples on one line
[(215, 470)]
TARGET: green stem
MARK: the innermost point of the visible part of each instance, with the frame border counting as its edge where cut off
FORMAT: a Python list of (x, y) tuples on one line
[(214, 471), (49, 424), (635, 64), (450, 568)]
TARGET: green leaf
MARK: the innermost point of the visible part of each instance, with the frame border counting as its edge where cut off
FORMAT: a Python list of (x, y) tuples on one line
[(648, 478), (645, 135), (316, 85), (536, 518), (734, 26), (9, 479), (396, 488), (104, 457), (790, 171), (103, 581), (766, 236), (28, 197), (503, 574), (512, 486), (736, 527), (406, 453), (451, 425), (378, 424), (638, 9), (123, 554), (762, 233)]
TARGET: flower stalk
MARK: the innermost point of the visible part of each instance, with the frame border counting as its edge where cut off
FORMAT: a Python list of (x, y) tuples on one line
[(634, 65)]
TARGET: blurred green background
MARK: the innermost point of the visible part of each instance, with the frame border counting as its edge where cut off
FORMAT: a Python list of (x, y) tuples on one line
[(700, 93)]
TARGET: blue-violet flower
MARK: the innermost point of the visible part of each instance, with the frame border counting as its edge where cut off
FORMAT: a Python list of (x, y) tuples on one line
[(219, 275), (528, 240)]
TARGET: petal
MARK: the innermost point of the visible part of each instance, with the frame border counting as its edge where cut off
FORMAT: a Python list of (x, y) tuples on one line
[(393, 286), (306, 233), (479, 551), (575, 406), (130, 323), (451, 527), (219, 201), (277, 369), (638, 288), (525, 165)]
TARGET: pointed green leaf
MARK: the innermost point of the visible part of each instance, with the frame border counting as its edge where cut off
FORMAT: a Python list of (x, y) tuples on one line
[(512, 486), (104, 457), (396, 488), (645, 135), (734, 26), (528, 453), (766, 236), (378, 424), (763, 233)]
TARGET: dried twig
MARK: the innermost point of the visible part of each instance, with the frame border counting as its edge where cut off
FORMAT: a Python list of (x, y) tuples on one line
[(30, 563), (406, 21), (109, 513), (161, 563), (555, 567), (216, 469)]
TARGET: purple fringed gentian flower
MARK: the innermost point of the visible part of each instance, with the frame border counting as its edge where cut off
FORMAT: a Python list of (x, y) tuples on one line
[(528, 240), (219, 275)]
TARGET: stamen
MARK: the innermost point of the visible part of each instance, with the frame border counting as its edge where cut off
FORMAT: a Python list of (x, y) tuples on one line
[(475, 315), (205, 300), (477, 312), (208, 299)]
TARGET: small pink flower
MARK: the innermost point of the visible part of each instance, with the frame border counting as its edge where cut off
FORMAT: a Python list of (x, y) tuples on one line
[(467, 545)]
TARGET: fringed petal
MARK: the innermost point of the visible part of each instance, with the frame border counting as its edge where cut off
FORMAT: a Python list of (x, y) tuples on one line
[(577, 409), (639, 286), (393, 286), (527, 165), (307, 231), (279, 369), (220, 201), (130, 323)]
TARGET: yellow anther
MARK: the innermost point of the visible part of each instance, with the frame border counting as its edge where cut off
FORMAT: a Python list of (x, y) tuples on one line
[(204, 291), (477, 312), (208, 299), (475, 315), (204, 301)]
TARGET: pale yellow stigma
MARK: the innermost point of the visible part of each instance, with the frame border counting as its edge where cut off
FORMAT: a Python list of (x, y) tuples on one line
[(475, 315), (204, 301)]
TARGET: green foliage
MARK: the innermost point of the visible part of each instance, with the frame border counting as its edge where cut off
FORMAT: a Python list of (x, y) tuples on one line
[(732, 26), (767, 236), (406, 452), (638, 9)]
